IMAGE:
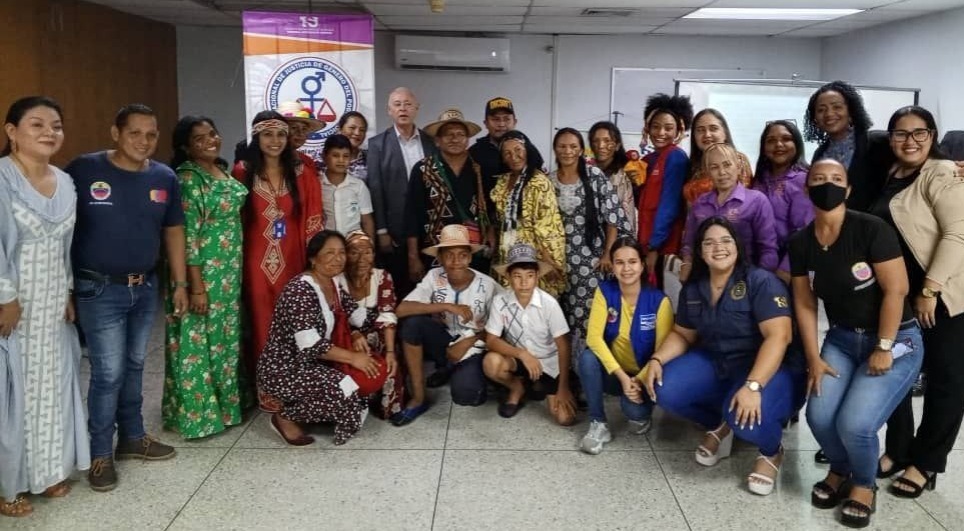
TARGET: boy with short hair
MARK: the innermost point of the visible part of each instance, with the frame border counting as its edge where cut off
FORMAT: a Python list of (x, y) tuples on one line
[(346, 199), (528, 338)]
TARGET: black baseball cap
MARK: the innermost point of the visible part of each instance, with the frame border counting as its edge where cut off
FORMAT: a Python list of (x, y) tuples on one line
[(500, 104)]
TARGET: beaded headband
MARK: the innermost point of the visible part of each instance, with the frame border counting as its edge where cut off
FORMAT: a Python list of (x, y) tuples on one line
[(269, 124)]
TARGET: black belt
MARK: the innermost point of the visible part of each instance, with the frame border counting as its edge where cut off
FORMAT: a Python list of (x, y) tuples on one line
[(906, 325), (127, 279)]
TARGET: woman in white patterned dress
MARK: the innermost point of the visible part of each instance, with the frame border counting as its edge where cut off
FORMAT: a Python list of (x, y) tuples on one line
[(592, 217), (43, 434)]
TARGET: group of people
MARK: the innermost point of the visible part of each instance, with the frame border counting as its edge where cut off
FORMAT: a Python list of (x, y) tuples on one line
[(318, 289)]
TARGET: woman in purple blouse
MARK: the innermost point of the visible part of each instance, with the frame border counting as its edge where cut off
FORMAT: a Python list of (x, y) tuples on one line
[(749, 211), (781, 174)]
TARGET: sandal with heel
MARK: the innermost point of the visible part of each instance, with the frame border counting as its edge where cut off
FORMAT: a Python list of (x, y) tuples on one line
[(914, 489), (19, 507), (763, 484), (707, 458), (862, 519), (824, 496)]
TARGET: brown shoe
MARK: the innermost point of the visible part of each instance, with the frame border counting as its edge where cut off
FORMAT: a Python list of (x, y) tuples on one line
[(102, 476), (146, 447)]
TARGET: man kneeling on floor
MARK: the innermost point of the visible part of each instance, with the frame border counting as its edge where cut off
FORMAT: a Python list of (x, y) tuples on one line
[(443, 319), (528, 339)]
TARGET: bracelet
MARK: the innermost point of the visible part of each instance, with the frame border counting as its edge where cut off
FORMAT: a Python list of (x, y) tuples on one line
[(181, 284), (654, 358), (198, 293), (389, 352)]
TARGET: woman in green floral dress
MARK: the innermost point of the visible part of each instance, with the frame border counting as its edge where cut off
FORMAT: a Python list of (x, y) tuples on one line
[(202, 354)]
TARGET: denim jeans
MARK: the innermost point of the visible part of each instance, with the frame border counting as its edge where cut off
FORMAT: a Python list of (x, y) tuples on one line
[(851, 409), (466, 380), (595, 382), (693, 390), (117, 321)]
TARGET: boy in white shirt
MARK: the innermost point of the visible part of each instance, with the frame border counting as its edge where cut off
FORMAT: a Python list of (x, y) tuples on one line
[(443, 319), (528, 338), (346, 199)]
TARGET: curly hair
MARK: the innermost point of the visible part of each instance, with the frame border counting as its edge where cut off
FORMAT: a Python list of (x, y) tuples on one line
[(855, 107), (678, 107)]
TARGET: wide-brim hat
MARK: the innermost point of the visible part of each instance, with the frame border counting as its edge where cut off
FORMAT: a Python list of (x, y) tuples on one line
[(452, 236), (452, 116), (294, 111), (522, 253)]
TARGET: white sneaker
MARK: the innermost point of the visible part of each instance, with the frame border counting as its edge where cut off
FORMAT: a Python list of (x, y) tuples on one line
[(640, 427), (597, 435)]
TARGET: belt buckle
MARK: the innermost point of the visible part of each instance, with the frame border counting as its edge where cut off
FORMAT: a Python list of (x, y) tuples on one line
[(860, 331), (134, 280)]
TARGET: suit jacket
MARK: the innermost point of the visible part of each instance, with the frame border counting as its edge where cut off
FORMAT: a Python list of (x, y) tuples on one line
[(388, 180)]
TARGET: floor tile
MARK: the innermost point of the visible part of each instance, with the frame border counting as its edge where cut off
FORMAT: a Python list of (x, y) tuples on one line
[(557, 490), (717, 497), (147, 497), (944, 503), (284, 489)]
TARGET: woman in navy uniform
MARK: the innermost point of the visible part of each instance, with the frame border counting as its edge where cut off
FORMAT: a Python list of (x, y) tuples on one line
[(724, 365)]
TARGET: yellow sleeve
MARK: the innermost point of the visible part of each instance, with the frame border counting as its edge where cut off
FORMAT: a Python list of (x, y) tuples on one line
[(664, 325), (594, 333)]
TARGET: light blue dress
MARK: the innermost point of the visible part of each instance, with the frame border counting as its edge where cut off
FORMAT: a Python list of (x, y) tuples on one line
[(43, 433)]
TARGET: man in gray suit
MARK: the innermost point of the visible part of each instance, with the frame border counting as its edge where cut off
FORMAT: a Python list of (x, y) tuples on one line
[(391, 156)]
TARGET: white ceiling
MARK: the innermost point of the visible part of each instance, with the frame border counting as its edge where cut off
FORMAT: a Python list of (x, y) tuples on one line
[(656, 17)]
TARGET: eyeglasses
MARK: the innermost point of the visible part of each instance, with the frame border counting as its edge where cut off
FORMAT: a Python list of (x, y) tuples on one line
[(919, 135), (403, 105), (724, 241)]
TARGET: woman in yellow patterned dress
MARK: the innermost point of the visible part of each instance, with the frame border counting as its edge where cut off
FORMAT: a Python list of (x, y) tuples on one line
[(201, 392), (525, 202)]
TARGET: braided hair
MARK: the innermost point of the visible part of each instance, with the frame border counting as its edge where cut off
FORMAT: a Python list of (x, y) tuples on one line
[(532, 155), (592, 214)]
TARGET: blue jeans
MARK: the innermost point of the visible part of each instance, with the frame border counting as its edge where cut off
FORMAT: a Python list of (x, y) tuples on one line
[(117, 321), (851, 409), (595, 382), (693, 390)]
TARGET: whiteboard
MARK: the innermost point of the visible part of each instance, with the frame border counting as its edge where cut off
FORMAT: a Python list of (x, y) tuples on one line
[(749, 105), (631, 86)]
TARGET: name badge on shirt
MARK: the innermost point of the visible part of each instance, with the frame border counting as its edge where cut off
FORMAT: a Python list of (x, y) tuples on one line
[(280, 228)]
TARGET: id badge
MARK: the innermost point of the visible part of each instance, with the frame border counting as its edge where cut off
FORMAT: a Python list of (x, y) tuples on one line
[(279, 228)]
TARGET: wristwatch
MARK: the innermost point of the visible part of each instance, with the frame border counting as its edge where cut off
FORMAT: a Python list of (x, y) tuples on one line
[(928, 293), (754, 386), (885, 344)]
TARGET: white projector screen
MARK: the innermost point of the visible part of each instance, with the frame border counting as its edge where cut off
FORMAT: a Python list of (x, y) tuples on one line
[(749, 105)]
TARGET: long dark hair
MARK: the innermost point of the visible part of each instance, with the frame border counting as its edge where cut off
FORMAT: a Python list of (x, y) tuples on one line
[(696, 153), (254, 162), (936, 152), (348, 116), (633, 243), (619, 156), (700, 269), (592, 214), (20, 108), (763, 164), (181, 138), (855, 107)]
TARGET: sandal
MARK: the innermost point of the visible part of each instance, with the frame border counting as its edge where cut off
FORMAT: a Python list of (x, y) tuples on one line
[(18, 508), (58, 491), (913, 490), (824, 496), (507, 411), (409, 414), (858, 520), (761, 483), (707, 458), (301, 440), (895, 467)]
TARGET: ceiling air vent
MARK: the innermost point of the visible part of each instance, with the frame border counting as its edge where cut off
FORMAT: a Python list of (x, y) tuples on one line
[(607, 12)]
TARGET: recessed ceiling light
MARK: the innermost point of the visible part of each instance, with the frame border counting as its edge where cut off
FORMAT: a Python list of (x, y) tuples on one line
[(747, 13)]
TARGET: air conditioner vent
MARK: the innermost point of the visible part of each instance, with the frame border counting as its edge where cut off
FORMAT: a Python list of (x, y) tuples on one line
[(607, 12)]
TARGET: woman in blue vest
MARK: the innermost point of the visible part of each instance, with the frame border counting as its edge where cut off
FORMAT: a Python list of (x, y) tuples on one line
[(723, 364), (627, 321)]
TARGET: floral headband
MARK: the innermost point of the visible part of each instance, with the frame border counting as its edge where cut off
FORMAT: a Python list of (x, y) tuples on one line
[(269, 124)]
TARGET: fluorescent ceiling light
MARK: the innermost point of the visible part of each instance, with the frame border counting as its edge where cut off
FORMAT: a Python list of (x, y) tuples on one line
[(746, 13)]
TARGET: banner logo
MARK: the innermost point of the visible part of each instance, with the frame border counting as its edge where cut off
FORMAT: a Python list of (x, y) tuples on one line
[(319, 84)]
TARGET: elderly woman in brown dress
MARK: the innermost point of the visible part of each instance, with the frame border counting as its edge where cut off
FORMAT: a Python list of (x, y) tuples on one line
[(309, 362), (373, 323)]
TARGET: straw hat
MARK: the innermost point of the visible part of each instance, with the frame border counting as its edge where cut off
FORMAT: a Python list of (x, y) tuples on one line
[(452, 116), (522, 253), (294, 111), (452, 236)]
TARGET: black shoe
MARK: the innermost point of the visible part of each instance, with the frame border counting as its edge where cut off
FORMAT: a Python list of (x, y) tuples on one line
[(920, 385), (820, 458), (823, 496), (861, 520), (438, 378), (102, 475), (913, 490)]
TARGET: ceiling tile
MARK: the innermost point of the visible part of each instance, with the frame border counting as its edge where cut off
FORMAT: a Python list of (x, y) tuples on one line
[(930, 5), (598, 21), (574, 11), (584, 29), (471, 28), (729, 27), (382, 10), (442, 21), (621, 3), (814, 32), (802, 4)]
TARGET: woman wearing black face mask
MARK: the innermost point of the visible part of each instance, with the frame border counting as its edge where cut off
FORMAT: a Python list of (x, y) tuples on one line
[(873, 351)]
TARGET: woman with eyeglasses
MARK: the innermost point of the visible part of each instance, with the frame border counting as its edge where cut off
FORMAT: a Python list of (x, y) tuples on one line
[(922, 199), (725, 364), (872, 352)]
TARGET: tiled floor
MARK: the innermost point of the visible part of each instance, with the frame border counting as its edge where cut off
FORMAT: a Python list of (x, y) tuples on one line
[(464, 468)]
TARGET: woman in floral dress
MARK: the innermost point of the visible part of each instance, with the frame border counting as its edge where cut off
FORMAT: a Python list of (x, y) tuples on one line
[(202, 354), (592, 217)]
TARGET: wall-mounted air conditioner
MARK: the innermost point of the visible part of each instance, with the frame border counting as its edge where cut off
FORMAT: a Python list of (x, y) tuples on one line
[(464, 54)]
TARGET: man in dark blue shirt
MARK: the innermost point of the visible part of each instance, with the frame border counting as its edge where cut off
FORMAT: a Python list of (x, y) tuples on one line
[(126, 203)]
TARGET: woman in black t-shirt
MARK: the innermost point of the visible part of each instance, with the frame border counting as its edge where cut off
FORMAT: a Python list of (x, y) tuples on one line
[(922, 199), (873, 350)]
